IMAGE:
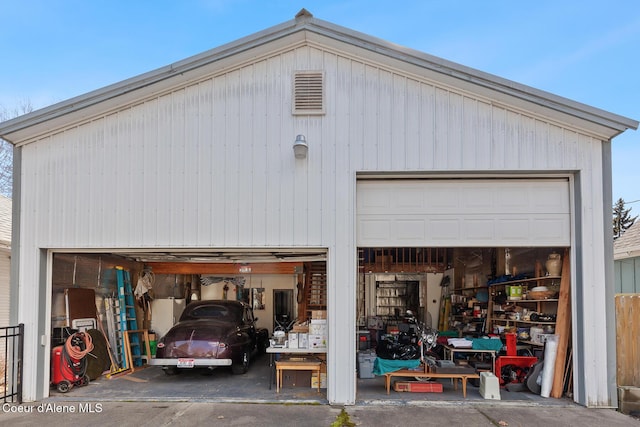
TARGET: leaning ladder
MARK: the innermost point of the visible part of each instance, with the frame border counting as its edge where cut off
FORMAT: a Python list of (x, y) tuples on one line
[(116, 337), (128, 320)]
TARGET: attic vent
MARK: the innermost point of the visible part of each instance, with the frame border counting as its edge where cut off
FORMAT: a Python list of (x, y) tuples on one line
[(308, 92)]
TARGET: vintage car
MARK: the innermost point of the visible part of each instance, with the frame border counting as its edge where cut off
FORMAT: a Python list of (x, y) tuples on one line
[(211, 334)]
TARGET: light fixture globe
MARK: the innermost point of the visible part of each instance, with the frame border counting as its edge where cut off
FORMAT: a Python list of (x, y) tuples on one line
[(300, 147)]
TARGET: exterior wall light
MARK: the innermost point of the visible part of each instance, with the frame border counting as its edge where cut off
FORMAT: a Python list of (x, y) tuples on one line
[(300, 147)]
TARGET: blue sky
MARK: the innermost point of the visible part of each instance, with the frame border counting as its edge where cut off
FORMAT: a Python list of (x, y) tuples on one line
[(587, 51)]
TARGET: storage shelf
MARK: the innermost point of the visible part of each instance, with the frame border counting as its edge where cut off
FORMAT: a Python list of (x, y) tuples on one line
[(530, 280), (473, 288), (531, 343), (528, 322), (535, 304)]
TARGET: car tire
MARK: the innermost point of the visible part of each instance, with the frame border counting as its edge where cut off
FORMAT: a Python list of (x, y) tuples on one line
[(241, 366), (170, 370), (262, 347)]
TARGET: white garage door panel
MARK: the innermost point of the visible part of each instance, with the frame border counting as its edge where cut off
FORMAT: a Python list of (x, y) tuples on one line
[(463, 212), (547, 229), (376, 229), (409, 229), (443, 230), (479, 229)]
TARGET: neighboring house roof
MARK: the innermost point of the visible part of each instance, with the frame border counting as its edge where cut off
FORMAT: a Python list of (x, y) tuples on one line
[(305, 29), (628, 245), (5, 222)]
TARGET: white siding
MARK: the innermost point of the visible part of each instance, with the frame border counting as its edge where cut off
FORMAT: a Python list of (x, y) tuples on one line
[(5, 289), (210, 164), (5, 259), (216, 155)]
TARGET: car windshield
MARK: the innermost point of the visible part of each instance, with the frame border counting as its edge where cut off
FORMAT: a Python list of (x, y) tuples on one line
[(214, 312)]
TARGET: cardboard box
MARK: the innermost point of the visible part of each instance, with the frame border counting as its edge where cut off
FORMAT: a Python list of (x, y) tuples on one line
[(303, 340), (375, 322), (323, 380), (318, 329), (418, 386), (293, 339), (300, 328), (318, 314), (317, 341)]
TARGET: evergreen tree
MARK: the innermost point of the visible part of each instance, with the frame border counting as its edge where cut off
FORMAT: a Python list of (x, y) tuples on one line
[(621, 218)]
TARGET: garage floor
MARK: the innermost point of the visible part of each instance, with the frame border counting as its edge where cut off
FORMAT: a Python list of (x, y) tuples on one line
[(151, 384)]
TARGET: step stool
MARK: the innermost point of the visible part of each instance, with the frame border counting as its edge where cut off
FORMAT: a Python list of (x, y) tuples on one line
[(489, 386)]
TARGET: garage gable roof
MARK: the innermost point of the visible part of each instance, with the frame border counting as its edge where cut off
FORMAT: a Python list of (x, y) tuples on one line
[(83, 107), (628, 245)]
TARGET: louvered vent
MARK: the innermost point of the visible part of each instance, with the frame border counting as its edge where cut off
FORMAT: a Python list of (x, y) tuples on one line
[(308, 93)]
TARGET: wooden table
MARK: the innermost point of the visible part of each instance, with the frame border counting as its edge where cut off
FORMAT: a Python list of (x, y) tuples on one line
[(450, 350), (296, 365), (272, 351)]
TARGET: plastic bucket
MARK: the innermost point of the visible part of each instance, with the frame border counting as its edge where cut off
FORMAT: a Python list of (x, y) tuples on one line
[(515, 292)]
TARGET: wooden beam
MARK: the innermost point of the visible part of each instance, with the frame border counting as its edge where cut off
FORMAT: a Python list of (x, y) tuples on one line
[(563, 327), (218, 268)]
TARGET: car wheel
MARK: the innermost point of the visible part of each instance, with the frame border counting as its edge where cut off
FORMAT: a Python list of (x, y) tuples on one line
[(241, 366), (170, 370)]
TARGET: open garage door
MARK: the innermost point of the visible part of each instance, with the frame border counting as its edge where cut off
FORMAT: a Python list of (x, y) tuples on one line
[(463, 212), (94, 291)]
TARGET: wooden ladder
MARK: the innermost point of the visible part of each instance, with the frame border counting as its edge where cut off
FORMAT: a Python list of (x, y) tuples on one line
[(128, 321)]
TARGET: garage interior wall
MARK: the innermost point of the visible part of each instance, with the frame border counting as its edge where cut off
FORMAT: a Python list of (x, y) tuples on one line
[(94, 271)]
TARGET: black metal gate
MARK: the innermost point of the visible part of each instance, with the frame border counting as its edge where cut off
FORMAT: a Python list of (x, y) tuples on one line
[(11, 348)]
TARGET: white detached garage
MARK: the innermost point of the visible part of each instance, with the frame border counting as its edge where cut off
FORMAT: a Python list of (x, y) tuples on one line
[(404, 149)]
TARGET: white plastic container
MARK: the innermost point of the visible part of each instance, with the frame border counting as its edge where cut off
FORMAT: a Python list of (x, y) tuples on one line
[(550, 352), (489, 386)]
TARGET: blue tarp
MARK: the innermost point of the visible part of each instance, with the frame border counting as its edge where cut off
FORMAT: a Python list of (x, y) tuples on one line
[(487, 344), (382, 366)]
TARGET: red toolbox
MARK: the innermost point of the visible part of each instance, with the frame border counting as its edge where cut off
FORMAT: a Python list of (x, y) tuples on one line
[(518, 362), (418, 386)]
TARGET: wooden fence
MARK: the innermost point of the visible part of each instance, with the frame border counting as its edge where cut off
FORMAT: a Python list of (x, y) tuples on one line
[(628, 339)]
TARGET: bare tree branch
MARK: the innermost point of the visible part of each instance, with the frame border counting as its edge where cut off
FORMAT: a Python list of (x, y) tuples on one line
[(6, 149)]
